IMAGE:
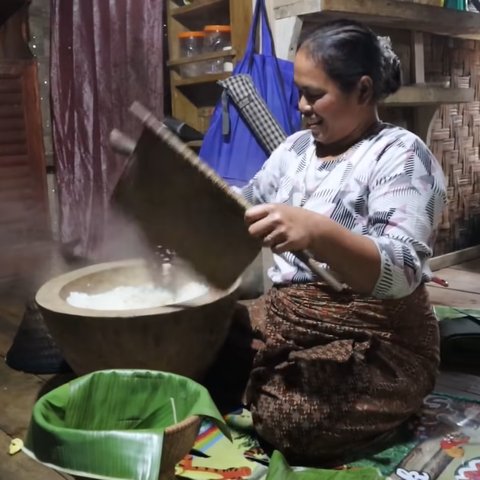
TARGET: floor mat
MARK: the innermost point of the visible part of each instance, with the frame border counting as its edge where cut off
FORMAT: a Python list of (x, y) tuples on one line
[(443, 443)]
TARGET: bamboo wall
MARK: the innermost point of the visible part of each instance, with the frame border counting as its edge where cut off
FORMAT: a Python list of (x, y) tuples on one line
[(455, 139)]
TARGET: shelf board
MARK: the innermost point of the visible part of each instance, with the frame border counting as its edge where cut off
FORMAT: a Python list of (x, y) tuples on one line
[(200, 58), (9, 7), (188, 12), (418, 95), (211, 78), (388, 13)]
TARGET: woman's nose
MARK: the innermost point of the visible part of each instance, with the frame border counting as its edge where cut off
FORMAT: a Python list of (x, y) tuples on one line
[(304, 107)]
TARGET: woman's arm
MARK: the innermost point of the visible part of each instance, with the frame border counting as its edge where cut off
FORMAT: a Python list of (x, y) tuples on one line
[(284, 228), (406, 198)]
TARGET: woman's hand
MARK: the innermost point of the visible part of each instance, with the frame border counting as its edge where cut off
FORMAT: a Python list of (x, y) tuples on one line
[(283, 227)]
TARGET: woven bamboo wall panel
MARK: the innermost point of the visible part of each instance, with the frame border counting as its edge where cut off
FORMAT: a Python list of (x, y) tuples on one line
[(455, 139)]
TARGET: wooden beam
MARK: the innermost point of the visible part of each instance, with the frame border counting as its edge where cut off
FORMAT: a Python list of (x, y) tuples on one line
[(454, 258), (413, 95), (388, 13), (418, 58)]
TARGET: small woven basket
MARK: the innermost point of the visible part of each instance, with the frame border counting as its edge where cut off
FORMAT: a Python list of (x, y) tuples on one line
[(177, 442)]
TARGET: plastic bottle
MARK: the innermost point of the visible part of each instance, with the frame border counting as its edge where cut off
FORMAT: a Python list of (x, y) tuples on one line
[(191, 45)]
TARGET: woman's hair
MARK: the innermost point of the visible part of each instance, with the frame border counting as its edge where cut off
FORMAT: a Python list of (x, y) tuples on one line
[(347, 50)]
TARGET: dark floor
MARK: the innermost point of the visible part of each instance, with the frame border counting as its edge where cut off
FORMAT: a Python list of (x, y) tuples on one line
[(18, 391)]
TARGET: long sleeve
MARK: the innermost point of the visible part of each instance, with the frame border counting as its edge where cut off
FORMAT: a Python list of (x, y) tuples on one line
[(405, 203), (264, 185)]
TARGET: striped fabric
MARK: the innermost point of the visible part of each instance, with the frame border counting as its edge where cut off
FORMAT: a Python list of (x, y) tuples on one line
[(388, 186), (241, 89)]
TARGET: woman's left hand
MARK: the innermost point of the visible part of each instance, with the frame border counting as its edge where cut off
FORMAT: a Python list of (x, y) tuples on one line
[(282, 227)]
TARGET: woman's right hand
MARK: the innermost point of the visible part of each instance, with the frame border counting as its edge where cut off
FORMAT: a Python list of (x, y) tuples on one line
[(283, 227)]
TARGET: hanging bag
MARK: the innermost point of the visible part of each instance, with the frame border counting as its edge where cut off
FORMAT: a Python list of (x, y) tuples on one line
[(230, 146)]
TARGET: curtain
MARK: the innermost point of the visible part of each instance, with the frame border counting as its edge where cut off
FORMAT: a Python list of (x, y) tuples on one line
[(104, 55)]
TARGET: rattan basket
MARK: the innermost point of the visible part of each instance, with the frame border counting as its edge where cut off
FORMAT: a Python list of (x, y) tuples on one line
[(178, 441)]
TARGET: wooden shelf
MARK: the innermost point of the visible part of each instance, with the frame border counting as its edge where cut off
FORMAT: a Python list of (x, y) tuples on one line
[(194, 98), (189, 12), (388, 13), (418, 95), (200, 58), (211, 78)]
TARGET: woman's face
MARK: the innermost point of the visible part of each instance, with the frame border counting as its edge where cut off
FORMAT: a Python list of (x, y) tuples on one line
[(330, 114)]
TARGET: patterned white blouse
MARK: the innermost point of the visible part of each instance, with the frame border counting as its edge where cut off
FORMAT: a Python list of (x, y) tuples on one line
[(389, 187)]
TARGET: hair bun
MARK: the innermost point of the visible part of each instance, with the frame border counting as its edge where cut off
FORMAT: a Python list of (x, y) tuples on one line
[(391, 68)]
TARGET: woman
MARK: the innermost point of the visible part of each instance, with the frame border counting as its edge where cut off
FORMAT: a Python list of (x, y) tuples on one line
[(338, 371)]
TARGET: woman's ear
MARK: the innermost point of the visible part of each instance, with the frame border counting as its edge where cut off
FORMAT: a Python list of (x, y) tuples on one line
[(365, 90)]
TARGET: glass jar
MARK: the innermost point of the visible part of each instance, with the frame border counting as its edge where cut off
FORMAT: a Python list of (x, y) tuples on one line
[(217, 38), (191, 44)]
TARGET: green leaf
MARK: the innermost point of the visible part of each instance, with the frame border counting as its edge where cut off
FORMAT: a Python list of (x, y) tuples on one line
[(280, 470), (110, 424), (443, 313)]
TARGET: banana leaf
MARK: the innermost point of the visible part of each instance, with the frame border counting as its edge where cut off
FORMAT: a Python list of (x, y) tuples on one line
[(280, 470), (443, 313), (110, 424)]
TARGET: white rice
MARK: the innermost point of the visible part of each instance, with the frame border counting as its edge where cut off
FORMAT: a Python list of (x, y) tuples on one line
[(141, 296)]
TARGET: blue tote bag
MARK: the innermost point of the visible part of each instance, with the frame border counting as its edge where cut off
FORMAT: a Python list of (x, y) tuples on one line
[(234, 152)]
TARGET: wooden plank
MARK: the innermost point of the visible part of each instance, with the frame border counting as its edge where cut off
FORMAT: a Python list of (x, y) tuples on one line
[(212, 78), (11, 98), (453, 298), (454, 258), (12, 160), (200, 7), (19, 393), (22, 467), (462, 280), (10, 85), (388, 13), (8, 329), (472, 266), (197, 15), (418, 58), (22, 193), (418, 95), (12, 124), (11, 111), (14, 150), (19, 170), (200, 58), (12, 136), (240, 19)]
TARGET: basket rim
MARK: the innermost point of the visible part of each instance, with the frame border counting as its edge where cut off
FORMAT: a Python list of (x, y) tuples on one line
[(187, 422)]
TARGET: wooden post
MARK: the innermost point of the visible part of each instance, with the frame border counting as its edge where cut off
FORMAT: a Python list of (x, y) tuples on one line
[(418, 58)]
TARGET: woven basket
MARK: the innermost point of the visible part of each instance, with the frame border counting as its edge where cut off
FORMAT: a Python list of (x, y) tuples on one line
[(178, 441), (33, 349)]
